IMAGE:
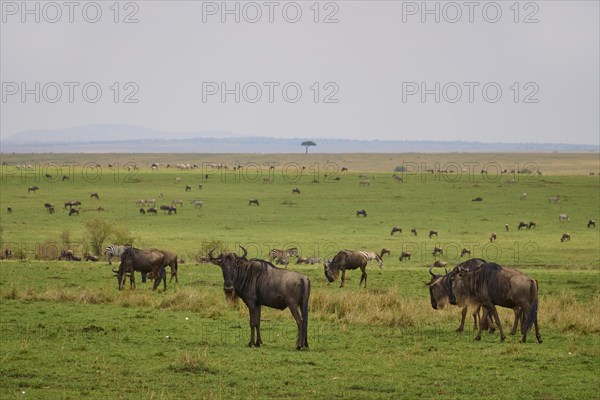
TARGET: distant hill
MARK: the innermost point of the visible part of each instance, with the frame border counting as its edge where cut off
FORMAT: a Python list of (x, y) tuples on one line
[(121, 138)]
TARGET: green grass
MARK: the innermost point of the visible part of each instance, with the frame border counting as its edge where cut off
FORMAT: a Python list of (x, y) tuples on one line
[(66, 332)]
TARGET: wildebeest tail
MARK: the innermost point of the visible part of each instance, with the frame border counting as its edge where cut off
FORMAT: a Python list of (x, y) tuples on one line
[(305, 297), (532, 316)]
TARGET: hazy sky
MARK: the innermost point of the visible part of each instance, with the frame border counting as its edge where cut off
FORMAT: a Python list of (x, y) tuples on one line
[(485, 71)]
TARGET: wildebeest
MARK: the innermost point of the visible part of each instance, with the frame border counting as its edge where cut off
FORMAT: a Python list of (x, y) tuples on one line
[(170, 260), (477, 199), (170, 209), (94, 195), (145, 261), (403, 255), (361, 212), (493, 236), (437, 251), (433, 233), (197, 203), (364, 183), (260, 283), (531, 225), (152, 210), (396, 229), (188, 188), (65, 178), (89, 257), (523, 196), (142, 211), (506, 227), (554, 199), (73, 211), (33, 189), (68, 255), (295, 190), (253, 201), (276, 254), (491, 285), (564, 217), (9, 209), (7, 252), (383, 252), (413, 231), (440, 287), (591, 223), (522, 225), (72, 204), (465, 252), (346, 260), (439, 264), (565, 237)]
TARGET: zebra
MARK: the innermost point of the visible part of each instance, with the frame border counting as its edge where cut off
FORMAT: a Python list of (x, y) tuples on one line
[(115, 250), (277, 254), (370, 256)]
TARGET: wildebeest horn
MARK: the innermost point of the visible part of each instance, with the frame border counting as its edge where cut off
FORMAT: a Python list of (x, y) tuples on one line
[(245, 252), (431, 273), (210, 256)]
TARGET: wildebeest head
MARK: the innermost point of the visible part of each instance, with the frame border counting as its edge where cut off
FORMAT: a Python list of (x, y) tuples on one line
[(459, 284), (332, 268), (438, 293), (228, 261)]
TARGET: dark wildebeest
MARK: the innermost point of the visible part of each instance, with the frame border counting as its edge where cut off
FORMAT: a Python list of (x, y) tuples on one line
[(493, 236), (295, 190), (565, 237), (439, 264), (591, 223), (65, 178), (506, 227), (253, 201), (440, 288), (491, 285), (405, 254), (383, 252), (169, 209), (94, 195), (152, 210), (433, 233), (89, 257), (396, 229), (72, 204), (171, 261), (7, 252), (260, 283), (361, 212), (9, 209), (531, 225), (346, 260), (188, 188), (68, 255), (477, 199), (437, 251), (142, 211), (414, 231), (33, 189), (465, 252), (522, 225), (73, 211), (145, 261)]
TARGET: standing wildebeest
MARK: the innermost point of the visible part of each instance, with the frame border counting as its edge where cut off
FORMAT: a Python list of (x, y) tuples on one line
[(396, 229), (403, 255), (145, 261), (440, 288), (95, 195), (361, 212), (414, 231), (73, 211), (491, 285), (506, 227), (493, 236), (152, 210), (346, 259), (171, 261), (9, 209), (188, 188), (433, 233), (565, 237), (253, 201), (531, 225), (142, 211), (260, 283), (437, 251), (522, 225), (295, 190), (170, 209), (383, 252), (33, 189), (591, 223)]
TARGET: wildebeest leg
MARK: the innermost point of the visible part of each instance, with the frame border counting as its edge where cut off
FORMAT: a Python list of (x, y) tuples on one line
[(494, 312), (518, 316), (163, 275), (296, 314), (254, 325), (343, 277), (462, 319), (143, 277), (363, 276)]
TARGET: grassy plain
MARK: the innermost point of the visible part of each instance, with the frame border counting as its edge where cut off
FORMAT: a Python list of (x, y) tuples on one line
[(66, 332)]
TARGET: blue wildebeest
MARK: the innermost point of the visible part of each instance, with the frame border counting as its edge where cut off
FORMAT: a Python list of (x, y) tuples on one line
[(146, 261), (260, 283), (346, 260), (491, 285), (440, 288), (396, 229)]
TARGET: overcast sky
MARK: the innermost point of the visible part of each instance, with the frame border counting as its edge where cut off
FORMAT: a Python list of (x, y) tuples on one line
[(486, 71)]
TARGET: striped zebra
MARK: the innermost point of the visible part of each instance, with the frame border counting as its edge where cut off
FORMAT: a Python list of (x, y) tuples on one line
[(277, 254), (115, 250), (370, 256)]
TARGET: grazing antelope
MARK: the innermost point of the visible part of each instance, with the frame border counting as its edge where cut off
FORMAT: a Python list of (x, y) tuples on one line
[(253, 201), (591, 223), (437, 251), (188, 188), (493, 236), (413, 231), (396, 229), (405, 254), (361, 212), (506, 227), (433, 233), (73, 211), (94, 195), (295, 190), (565, 237)]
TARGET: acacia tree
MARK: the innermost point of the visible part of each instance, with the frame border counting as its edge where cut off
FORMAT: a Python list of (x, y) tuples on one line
[(307, 144)]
